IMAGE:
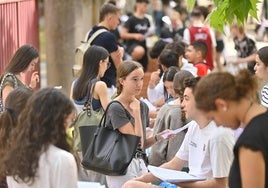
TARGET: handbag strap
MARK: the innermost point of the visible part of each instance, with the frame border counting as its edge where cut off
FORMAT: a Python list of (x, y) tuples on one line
[(103, 119), (88, 103)]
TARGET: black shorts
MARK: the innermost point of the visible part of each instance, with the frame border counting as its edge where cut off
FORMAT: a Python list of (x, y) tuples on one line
[(220, 45)]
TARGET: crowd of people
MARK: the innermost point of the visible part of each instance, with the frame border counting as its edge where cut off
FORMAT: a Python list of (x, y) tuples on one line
[(223, 112)]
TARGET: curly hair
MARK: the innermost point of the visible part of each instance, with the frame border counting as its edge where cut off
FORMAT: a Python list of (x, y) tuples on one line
[(40, 124), (15, 103)]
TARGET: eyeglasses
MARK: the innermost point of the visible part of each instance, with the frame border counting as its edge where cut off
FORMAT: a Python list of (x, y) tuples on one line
[(108, 63)]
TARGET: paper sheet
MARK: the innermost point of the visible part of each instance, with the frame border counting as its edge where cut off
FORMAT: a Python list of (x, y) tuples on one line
[(176, 131), (172, 176), (84, 184)]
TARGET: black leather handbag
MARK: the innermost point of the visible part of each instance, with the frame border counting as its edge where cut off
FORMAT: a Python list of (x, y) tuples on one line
[(106, 150)]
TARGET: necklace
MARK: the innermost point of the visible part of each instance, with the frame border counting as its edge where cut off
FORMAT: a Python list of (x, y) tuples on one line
[(246, 113)]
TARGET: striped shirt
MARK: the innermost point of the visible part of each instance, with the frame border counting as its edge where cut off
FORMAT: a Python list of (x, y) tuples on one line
[(264, 96)]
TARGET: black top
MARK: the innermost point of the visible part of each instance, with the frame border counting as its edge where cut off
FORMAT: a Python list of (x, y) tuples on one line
[(108, 41), (255, 138), (137, 25)]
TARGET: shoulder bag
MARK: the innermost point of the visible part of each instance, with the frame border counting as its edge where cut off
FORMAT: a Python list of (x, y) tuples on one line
[(106, 150), (1, 87), (88, 117)]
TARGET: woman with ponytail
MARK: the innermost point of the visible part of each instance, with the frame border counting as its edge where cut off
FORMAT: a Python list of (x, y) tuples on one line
[(231, 102)]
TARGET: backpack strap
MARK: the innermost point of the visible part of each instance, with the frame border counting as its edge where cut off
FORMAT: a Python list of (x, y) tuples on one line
[(94, 35)]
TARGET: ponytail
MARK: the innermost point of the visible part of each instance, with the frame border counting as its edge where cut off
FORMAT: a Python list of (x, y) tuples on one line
[(226, 86)]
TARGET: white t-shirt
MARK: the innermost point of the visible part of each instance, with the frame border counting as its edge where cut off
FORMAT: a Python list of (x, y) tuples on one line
[(158, 91), (57, 168), (209, 151)]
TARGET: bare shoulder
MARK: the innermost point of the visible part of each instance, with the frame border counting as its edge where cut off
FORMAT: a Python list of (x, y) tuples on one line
[(100, 87)]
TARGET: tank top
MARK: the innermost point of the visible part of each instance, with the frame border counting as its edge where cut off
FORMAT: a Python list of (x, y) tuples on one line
[(203, 34)]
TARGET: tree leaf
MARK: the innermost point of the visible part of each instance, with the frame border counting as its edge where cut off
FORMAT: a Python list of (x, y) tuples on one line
[(190, 4)]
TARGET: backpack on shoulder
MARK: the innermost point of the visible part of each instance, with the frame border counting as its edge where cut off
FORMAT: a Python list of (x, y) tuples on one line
[(81, 49)]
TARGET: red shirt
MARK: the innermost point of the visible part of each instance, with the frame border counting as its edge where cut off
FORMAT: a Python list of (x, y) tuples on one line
[(202, 69), (203, 34)]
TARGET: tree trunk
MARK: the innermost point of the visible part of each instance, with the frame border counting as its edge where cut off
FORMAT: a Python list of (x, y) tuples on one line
[(66, 23)]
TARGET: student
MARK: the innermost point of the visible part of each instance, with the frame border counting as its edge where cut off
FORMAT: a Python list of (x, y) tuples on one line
[(261, 71), (245, 47), (134, 31), (170, 116), (195, 54), (199, 31), (109, 20), (171, 31), (168, 78), (39, 156), (179, 47), (14, 104), (88, 84), (155, 90), (206, 147), (229, 101), (22, 63), (95, 64), (131, 118)]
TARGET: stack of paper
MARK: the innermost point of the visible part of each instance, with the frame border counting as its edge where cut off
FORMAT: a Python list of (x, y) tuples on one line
[(172, 176)]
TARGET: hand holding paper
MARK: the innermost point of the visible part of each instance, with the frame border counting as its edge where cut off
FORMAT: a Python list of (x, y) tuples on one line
[(174, 132)]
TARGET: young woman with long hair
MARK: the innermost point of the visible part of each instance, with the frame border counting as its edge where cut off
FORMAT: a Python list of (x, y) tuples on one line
[(39, 155), (231, 101), (131, 117), (22, 63)]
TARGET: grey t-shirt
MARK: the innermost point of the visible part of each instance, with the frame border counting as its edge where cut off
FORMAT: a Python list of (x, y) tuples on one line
[(118, 116)]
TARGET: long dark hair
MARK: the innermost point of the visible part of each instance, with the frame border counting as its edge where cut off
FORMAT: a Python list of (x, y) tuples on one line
[(90, 69), (169, 76), (40, 124), (22, 59)]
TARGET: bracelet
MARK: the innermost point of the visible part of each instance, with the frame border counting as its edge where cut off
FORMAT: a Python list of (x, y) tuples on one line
[(155, 137)]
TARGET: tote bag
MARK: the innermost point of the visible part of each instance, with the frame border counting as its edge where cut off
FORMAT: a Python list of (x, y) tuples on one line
[(106, 150), (88, 117)]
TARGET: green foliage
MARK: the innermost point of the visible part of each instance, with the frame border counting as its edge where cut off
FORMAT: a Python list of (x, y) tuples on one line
[(229, 11)]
